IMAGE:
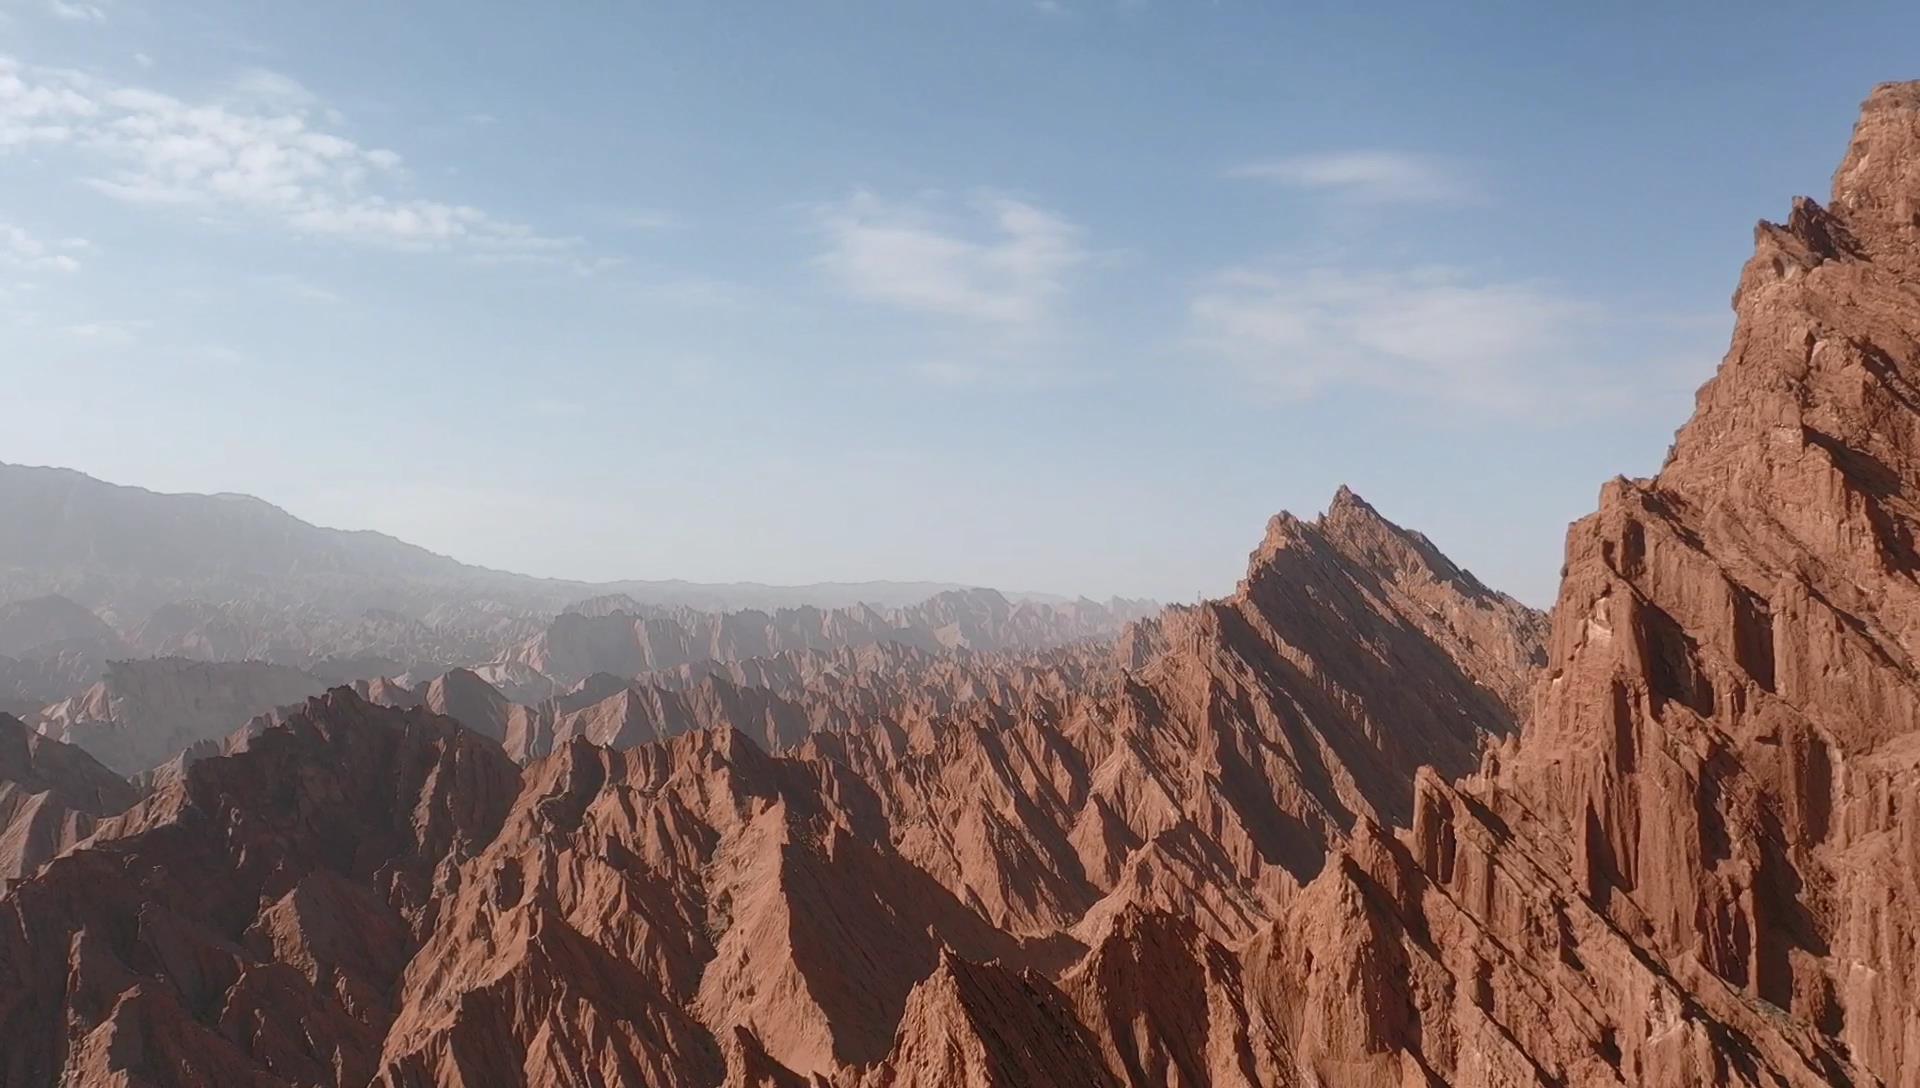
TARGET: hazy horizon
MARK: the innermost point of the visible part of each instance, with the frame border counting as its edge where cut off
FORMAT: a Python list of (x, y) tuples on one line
[(1018, 592), (1054, 297)]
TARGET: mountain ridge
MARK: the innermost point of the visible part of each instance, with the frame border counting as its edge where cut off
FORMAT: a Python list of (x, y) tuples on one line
[(970, 824), (42, 490), (1362, 823)]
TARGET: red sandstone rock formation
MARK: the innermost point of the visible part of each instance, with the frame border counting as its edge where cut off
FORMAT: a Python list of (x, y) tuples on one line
[(51, 795), (1697, 864), (1300, 836), (966, 869), (246, 924)]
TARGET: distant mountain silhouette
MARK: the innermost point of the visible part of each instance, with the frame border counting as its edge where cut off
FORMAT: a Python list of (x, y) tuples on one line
[(108, 545)]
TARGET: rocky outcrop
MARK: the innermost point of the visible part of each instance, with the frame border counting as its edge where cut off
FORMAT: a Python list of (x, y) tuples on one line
[(778, 701), (1363, 823), (1352, 654), (620, 642), (142, 713), (981, 1026), (639, 714), (1000, 871), (51, 796), (923, 868), (1696, 865), (645, 909), (247, 923), (469, 700)]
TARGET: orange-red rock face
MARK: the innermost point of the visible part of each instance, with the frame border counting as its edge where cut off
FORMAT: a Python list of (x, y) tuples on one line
[(247, 923), (51, 796), (1697, 864), (1728, 736), (1364, 823), (924, 868)]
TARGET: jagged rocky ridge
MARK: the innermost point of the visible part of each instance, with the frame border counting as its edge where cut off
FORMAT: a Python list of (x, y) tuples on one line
[(61, 649), (905, 831), (1364, 822), (51, 797), (624, 638), (136, 712), (92, 573)]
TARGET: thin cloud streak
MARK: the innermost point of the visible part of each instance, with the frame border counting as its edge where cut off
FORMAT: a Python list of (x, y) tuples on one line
[(74, 12), (1434, 334), (1374, 177)]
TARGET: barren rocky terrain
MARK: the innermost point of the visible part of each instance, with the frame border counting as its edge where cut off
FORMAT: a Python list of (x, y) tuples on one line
[(1363, 822)]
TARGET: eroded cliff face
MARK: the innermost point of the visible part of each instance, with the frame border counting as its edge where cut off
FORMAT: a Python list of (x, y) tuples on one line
[(51, 796), (1363, 823), (644, 907), (867, 865), (1694, 866), (1697, 864), (246, 923)]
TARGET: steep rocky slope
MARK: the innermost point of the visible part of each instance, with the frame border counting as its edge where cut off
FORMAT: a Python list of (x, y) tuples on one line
[(778, 701), (51, 796), (144, 712), (922, 866), (1363, 823), (246, 924), (1696, 865)]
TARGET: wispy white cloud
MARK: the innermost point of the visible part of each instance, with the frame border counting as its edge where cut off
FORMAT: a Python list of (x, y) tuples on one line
[(77, 12), (261, 149), (40, 110), (999, 261), (20, 249), (1439, 334), (1375, 177)]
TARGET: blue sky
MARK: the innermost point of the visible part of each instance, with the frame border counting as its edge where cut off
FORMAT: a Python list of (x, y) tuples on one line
[(1060, 296)]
